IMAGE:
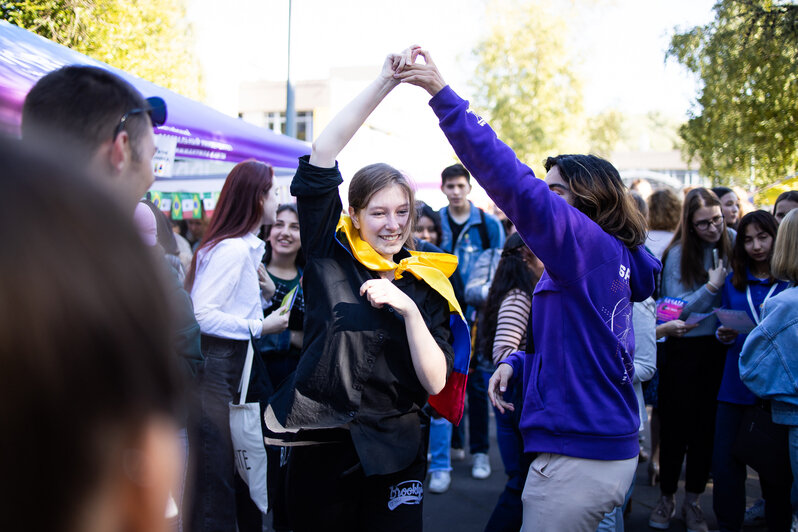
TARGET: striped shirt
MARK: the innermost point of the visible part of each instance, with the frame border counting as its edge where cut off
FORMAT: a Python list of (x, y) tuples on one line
[(511, 324)]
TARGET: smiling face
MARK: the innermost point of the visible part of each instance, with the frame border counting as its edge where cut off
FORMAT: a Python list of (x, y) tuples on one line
[(758, 243), (384, 222), (284, 234), (730, 205)]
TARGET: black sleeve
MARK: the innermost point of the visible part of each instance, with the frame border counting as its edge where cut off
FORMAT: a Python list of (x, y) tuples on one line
[(318, 205)]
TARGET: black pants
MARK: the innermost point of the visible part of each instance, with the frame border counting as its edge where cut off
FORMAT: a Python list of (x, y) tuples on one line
[(690, 375), (728, 494), (327, 490)]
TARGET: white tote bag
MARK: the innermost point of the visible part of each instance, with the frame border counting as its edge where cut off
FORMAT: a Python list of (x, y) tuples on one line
[(248, 445)]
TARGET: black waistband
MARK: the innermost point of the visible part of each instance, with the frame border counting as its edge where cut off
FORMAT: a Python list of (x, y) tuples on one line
[(207, 340)]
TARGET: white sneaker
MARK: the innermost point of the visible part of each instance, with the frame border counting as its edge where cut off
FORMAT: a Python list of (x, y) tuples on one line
[(439, 481), (458, 454), (481, 467)]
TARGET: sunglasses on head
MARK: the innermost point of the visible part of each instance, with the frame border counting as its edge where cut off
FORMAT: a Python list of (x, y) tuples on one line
[(154, 106)]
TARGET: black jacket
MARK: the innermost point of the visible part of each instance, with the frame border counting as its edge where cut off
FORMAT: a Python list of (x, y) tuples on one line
[(355, 370)]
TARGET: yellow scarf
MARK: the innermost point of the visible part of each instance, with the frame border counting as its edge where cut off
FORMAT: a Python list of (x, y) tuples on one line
[(432, 268)]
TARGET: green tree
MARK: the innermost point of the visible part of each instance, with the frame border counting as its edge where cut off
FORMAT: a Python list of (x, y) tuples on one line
[(148, 38), (525, 81), (605, 131), (745, 121)]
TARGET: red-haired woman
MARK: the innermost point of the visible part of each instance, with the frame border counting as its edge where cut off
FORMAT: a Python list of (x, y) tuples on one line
[(225, 286)]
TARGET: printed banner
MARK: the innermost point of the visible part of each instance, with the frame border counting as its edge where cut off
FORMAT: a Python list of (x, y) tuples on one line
[(209, 200), (162, 200)]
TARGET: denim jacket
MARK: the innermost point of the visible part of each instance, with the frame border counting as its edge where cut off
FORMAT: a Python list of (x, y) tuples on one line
[(769, 359), (469, 244)]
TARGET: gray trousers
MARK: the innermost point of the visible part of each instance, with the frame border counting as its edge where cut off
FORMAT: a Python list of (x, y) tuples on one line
[(567, 493)]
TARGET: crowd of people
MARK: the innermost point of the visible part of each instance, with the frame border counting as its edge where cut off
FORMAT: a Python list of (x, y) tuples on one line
[(373, 336)]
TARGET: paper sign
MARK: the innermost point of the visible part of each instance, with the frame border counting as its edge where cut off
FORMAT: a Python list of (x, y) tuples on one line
[(696, 317), (288, 301), (669, 308), (739, 320), (164, 160)]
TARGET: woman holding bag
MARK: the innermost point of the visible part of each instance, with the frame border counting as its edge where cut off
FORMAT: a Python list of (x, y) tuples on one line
[(225, 281)]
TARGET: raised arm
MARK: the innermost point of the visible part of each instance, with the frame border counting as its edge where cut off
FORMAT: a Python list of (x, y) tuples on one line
[(559, 234), (343, 127)]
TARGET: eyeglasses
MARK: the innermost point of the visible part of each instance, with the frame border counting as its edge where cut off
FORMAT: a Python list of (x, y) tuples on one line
[(155, 107), (703, 225)]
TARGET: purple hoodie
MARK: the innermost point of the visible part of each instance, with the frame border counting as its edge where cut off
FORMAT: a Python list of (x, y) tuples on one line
[(578, 400)]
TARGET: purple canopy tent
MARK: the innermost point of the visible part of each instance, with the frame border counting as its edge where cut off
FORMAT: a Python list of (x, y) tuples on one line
[(197, 145)]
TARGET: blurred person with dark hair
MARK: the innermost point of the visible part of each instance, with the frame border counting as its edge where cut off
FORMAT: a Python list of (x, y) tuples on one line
[(786, 202), (428, 228), (226, 284), (642, 187), (196, 230), (502, 331), (284, 263), (664, 212), (730, 205), (99, 122), (90, 390)]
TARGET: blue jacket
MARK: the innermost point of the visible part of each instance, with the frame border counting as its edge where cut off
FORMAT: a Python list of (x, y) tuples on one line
[(769, 359), (469, 243), (732, 389), (579, 400)]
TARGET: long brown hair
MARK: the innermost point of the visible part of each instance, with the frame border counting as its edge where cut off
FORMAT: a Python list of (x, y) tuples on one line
[(691, 268), (601, 195), (238, 209)]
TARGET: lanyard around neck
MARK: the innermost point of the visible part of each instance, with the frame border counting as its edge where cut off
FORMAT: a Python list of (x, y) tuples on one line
[(754, 312)]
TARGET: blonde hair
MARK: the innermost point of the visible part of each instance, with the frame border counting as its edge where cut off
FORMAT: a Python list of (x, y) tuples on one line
[(785, 252)]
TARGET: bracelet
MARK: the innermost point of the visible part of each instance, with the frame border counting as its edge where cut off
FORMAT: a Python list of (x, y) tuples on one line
[(715, 288)]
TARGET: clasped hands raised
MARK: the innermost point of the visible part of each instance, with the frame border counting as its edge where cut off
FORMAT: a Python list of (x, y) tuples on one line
[(403, 67)]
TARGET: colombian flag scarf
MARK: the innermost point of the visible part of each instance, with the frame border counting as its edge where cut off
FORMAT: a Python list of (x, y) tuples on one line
[(434, 269)]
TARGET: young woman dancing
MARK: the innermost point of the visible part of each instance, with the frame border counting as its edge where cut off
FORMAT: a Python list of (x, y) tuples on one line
[(377, 341)]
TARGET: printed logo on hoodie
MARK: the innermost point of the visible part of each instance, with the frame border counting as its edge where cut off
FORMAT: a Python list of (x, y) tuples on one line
[(481, 121)]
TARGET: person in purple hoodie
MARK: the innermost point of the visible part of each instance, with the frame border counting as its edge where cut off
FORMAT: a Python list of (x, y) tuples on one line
[(580, 411)]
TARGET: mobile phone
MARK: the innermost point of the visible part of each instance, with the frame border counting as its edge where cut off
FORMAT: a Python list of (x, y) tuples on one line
[(715, 258)]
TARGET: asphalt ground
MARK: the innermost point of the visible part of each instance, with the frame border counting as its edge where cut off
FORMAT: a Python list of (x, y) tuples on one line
[(467, 506)]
